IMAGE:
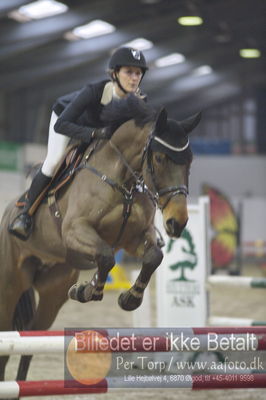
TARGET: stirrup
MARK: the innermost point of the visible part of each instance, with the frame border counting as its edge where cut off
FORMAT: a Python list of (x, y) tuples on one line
[(21, 226)]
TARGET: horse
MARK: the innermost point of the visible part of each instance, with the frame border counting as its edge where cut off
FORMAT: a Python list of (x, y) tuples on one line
[(109, 205)]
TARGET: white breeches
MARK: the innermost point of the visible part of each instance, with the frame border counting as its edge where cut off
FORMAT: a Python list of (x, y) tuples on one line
[(57, 145)]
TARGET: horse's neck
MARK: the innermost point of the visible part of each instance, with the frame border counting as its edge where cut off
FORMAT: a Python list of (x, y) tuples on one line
[(130, 141)]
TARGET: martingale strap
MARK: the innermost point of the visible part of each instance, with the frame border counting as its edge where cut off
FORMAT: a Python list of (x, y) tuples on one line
[(128, 196), (126, 214)]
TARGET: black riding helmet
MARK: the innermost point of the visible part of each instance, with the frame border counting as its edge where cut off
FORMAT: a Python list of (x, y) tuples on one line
[(127, 57)]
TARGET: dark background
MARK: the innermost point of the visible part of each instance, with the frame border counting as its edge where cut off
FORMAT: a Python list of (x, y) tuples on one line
[(37, 64)]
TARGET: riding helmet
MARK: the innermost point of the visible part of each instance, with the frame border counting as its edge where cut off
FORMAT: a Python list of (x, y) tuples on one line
[(127, 56)]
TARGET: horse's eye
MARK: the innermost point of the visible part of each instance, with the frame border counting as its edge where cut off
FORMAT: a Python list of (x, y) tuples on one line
[(158, 158)]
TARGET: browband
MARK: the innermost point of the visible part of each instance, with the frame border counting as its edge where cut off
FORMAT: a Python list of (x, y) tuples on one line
[(171, 147)]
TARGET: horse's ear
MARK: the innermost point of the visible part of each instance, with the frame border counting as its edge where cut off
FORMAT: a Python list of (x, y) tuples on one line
[(161, 121), (190, 123)]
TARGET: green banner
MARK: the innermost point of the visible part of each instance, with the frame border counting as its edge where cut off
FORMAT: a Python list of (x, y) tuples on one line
[(10, 156)]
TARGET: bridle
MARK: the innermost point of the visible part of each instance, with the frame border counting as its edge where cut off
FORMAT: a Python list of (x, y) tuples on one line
[(138, 182), (155, 194), (172, 190)]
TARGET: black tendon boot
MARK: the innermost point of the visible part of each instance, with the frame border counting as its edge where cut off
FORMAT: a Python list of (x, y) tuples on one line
[(22, 225)]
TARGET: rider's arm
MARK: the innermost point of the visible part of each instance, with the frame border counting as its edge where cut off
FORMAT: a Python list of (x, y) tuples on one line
[(67, 124)]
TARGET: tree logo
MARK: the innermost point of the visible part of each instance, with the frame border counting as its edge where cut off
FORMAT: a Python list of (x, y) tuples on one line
[(189, 257)]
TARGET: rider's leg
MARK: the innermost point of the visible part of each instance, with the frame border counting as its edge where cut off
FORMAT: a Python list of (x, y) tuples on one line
[(57, 143)]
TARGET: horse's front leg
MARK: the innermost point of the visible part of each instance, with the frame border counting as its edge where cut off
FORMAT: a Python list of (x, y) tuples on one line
[(86, 250), (152, 258)]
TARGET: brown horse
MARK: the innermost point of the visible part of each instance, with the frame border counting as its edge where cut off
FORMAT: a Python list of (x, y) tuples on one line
[(110, 205)]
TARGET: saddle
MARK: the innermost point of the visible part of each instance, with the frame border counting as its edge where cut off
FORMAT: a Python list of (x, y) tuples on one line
[(63, 174)]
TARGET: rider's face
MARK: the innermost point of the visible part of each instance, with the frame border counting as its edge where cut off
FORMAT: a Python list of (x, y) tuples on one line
[(130, 78)]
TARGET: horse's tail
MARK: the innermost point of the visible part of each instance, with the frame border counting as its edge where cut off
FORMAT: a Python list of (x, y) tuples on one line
[(25, 311), (22, 320)]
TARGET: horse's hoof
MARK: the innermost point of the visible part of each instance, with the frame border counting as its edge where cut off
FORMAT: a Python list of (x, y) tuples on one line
[(72, 292), (77, 293), (91, 291), (128, 302), (92, 294)]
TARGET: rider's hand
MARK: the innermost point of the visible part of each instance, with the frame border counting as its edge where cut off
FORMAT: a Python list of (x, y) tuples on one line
[(102, 133)]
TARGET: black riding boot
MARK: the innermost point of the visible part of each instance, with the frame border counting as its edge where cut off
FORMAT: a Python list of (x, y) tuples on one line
[(23, 223)]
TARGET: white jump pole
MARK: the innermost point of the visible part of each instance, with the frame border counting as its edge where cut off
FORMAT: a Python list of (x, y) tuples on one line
[(32, 345), (237, 281)]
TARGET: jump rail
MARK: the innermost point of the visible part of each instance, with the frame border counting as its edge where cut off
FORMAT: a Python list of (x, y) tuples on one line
[(235, 281), (239, 281), (228, 321), (257, 330), (14, 389), (178, 342)]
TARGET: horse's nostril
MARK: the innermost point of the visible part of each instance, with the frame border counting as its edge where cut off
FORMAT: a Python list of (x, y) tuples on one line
[(170, 222), (174, 228)]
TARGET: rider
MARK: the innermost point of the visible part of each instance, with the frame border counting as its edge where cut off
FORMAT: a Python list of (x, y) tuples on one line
[(76, 115)]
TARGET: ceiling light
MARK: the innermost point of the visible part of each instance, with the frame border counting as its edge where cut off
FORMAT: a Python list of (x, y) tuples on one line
[(171, 59), (140, 44), (90, 30), (250, 53), (190, 20), (203, 70), (37, 10)]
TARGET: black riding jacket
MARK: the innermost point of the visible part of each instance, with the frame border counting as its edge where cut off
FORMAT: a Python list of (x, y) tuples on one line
[(79, 112)]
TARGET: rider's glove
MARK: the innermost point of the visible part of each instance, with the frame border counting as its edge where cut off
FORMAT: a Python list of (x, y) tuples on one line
[(102, 133)]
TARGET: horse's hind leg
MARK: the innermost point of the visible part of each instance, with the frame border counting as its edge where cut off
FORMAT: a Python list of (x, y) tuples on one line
[(52, 295), (6, 325), (7, 308), (152, 258), (23, 319), (19, 305), (10, 292), (52, 286)]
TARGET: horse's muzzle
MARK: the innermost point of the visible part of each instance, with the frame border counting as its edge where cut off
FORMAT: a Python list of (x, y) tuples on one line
[(173, 228)]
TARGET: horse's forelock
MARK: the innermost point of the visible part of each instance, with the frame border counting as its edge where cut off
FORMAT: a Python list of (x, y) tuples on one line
[(131, 107)]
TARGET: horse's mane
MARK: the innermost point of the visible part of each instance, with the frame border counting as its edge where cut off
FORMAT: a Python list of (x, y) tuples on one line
[(130, 107)]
